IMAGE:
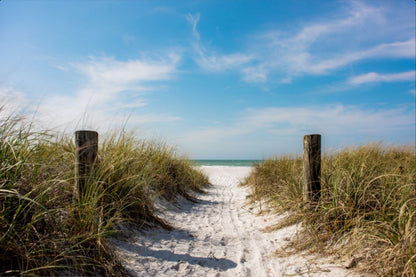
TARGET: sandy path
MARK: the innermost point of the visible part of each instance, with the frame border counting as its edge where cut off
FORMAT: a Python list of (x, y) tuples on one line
[(219, 236)]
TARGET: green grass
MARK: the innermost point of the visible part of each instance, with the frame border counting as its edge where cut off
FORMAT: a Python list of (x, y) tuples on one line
[(45, 231), (367, 208)]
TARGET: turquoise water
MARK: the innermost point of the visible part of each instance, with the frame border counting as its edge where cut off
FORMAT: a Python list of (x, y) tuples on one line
[(226, 162)]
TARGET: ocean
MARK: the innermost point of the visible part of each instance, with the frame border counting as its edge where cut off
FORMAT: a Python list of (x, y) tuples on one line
[(226, 162)]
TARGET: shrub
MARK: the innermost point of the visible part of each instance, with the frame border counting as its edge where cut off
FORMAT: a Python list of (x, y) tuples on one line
[(367, 205), (45, 231)]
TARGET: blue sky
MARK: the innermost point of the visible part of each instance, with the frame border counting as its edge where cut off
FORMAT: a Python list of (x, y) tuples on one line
[(216, 79)]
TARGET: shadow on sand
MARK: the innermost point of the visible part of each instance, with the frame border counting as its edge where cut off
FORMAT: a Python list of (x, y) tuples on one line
[(167, 255), (189, 206)]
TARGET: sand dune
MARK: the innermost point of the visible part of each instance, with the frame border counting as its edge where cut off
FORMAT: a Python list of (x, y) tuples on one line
[(219, 236)]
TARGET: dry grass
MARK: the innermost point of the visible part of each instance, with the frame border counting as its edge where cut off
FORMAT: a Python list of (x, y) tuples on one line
[(43, 231), (367, 208)]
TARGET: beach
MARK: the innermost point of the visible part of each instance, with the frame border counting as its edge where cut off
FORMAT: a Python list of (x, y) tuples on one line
[(220, 235)]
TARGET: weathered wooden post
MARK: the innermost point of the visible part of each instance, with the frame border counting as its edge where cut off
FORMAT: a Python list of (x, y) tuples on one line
[(86, 143), (312, 167)]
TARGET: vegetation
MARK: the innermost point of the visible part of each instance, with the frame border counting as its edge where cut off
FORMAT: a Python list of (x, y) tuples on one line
[(44, 231), (367, 208)]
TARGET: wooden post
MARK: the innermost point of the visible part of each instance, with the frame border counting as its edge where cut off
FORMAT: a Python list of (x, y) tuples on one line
[(86, 143), (312, 167)]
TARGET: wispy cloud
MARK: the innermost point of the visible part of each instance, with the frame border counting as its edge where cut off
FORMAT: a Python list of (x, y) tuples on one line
[(12, 101), (113, 72), (108, 77), (398, 49), (193, 20), (211, 61), (374, 77), (337, 120), (358, 32), (285, 124), (219, 63), (402, 49), (255, 74), (112, 93)]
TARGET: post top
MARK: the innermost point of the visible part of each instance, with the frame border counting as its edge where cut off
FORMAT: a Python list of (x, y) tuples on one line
[(85, 131)]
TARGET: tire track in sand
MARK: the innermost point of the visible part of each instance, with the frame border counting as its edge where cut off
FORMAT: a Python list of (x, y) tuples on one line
[(218, 236)]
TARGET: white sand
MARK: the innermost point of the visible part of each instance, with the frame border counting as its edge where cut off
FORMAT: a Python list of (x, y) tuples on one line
[(220, 236)]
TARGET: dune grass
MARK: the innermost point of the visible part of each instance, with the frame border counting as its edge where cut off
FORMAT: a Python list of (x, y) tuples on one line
[(45, 231), (367, 208)]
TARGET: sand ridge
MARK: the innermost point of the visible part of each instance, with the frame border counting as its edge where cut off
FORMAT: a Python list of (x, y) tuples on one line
[(219, 236)]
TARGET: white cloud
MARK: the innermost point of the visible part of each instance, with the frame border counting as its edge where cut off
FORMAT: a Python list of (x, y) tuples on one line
[(153, 118), (113, 93), (210, 61), (305, 62), (12, 101), (108, 71), (194, 19), (135, 103), (219, 63), (109, 79), (255, 74), (336, 120), (399, 49), (339, 124), (357, 32), (373, 77)]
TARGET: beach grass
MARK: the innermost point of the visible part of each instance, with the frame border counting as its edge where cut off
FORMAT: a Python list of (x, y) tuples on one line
[(45, 230), (367, 210)]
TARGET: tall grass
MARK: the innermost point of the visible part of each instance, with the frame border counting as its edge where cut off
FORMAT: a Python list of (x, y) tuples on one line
[(43, 231), (367, 207)]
